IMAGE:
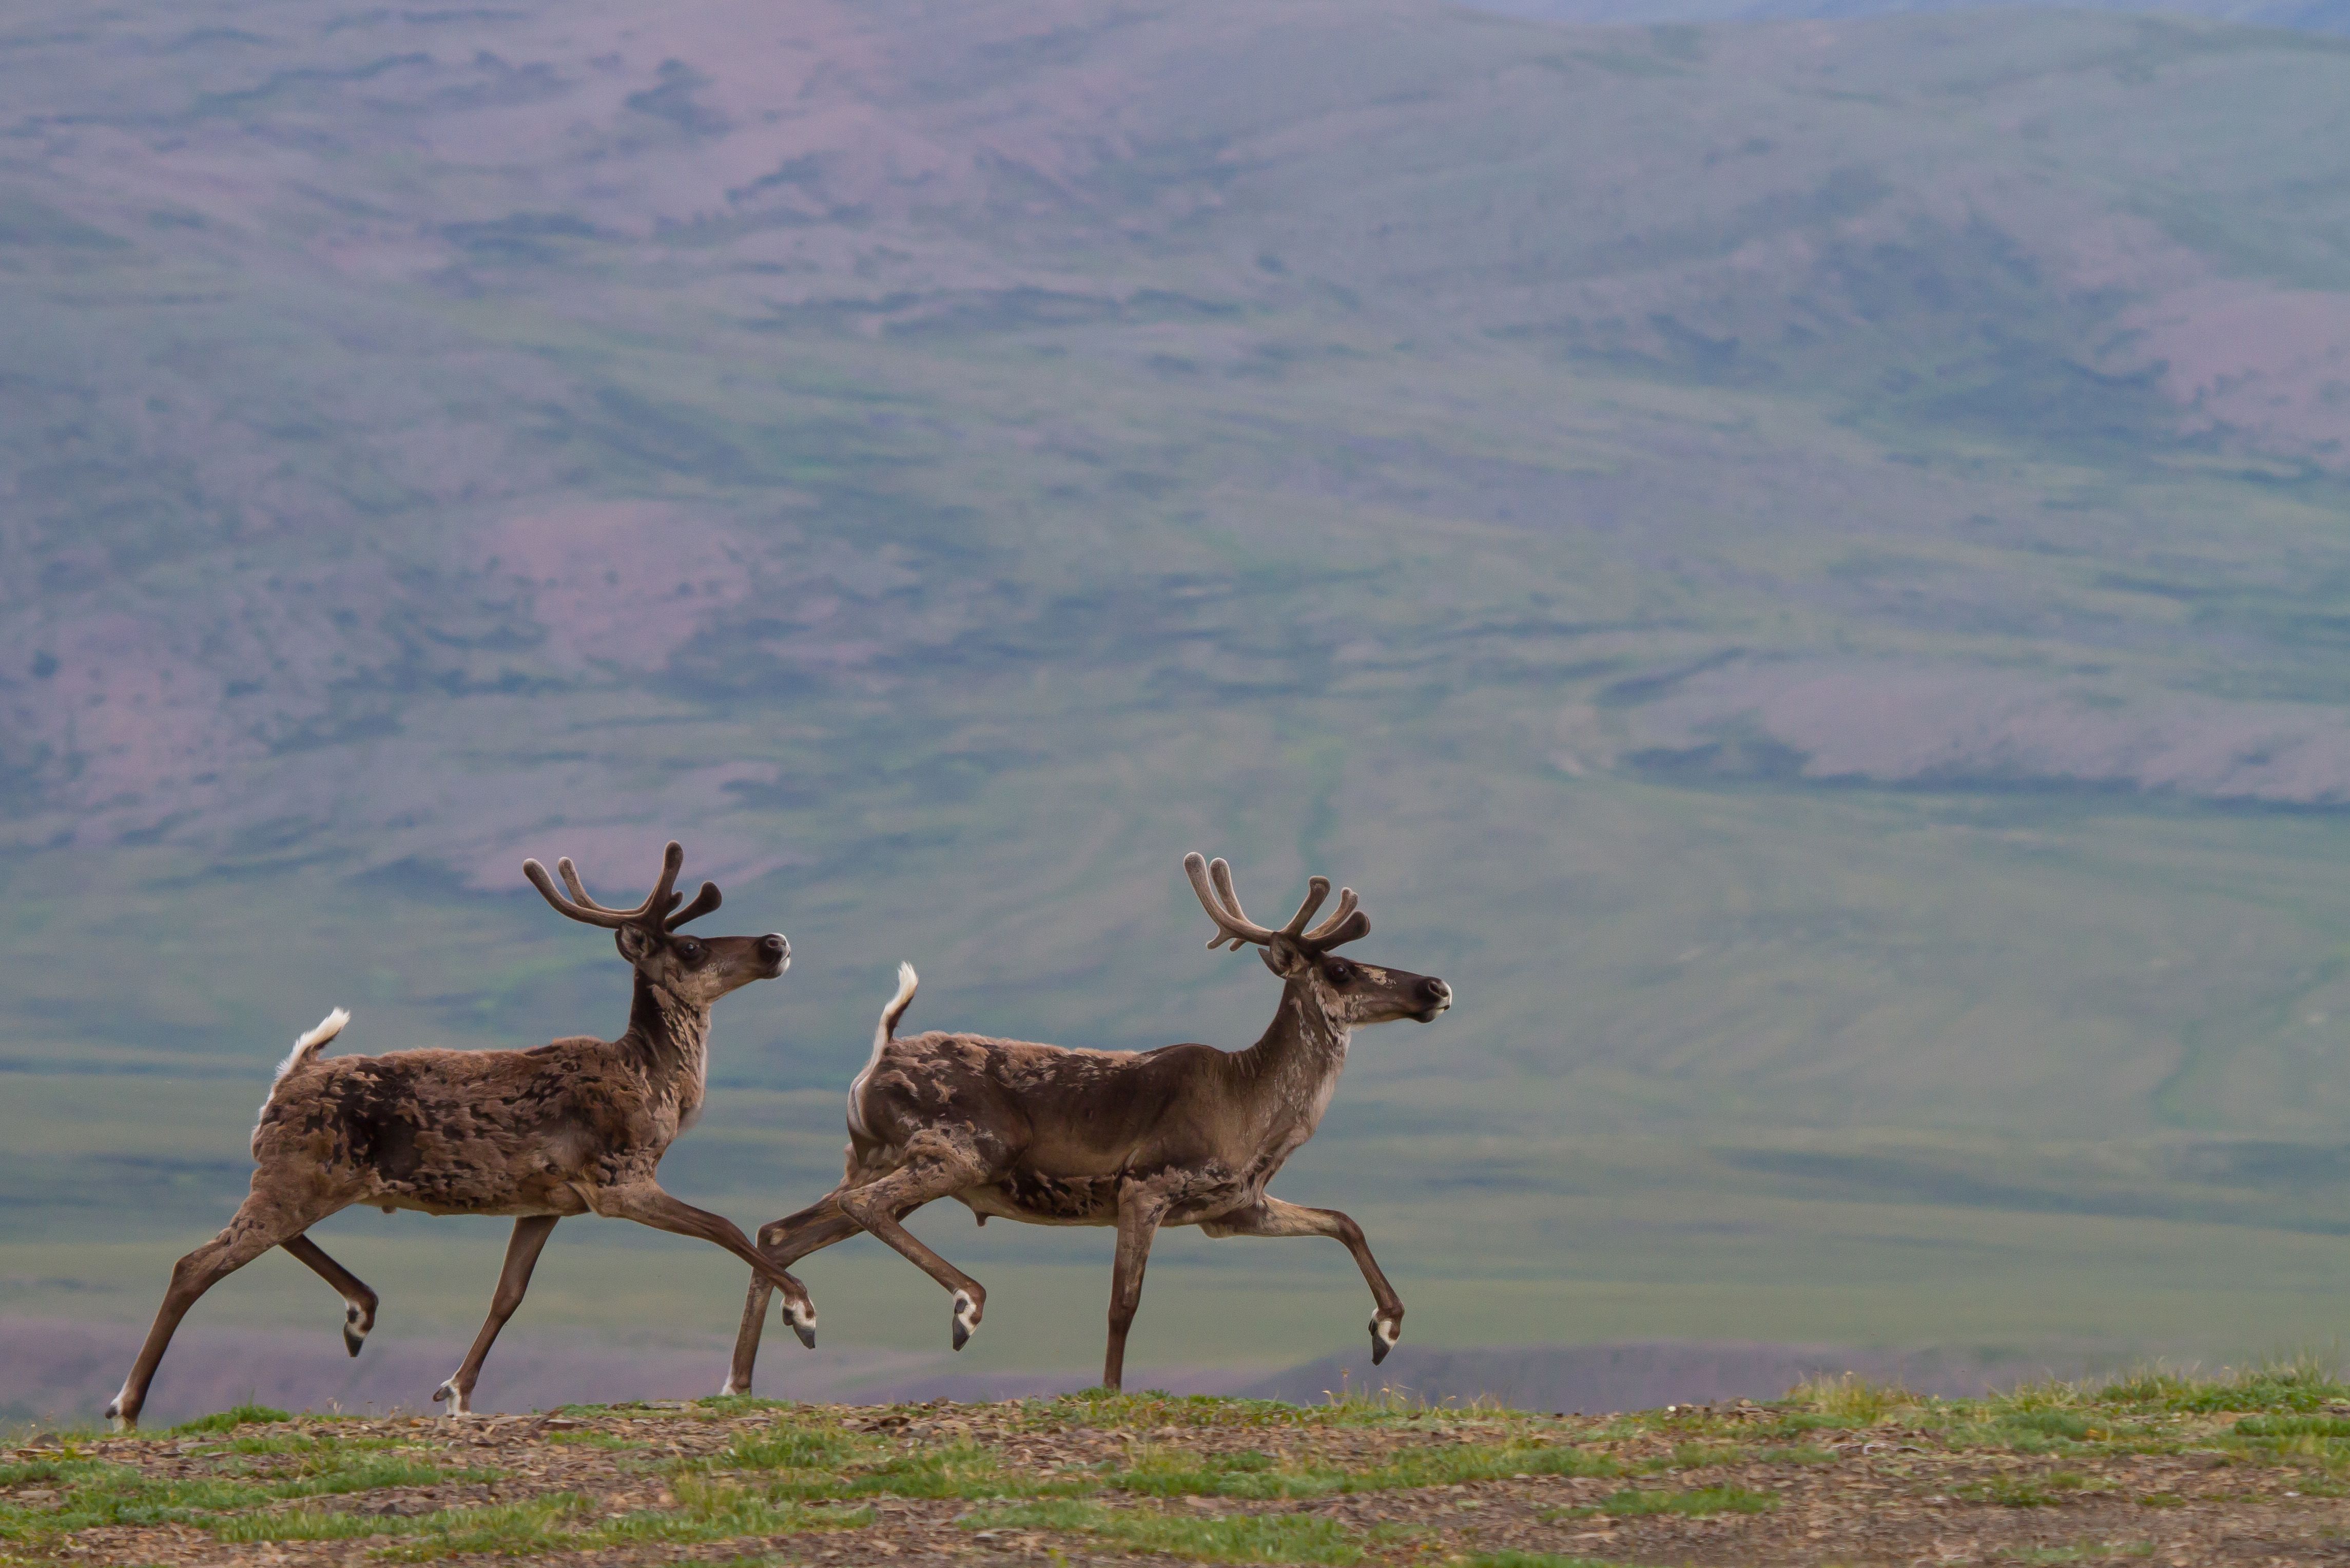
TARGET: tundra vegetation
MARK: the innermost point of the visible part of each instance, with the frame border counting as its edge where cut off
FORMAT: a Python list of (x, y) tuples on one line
[(2161, 1465)]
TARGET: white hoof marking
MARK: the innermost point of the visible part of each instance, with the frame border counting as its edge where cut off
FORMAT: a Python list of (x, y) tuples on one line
[(802, 1320), (455, 1395), (966, 1318)]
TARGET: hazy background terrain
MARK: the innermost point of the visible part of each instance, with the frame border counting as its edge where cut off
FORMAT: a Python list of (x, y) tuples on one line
[(1801, 565)]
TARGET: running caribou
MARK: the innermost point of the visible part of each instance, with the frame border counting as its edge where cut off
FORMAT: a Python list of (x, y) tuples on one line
[(1185, 1135), (572, 1127)]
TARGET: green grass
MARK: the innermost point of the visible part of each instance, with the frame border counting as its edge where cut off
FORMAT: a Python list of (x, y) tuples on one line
[(1173, 1473), (97, 1492), (1452, 1465), (710, 1511), (234, 1417), (802, 1468), (704, 1512), (2298, 1383), (2294, 1427), (1698, 1456), (512, 1530), (794, 1448), (1849, 1399), (1159, 1473)]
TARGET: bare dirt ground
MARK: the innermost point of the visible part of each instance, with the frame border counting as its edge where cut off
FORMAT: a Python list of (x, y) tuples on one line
[(2161, 1470)]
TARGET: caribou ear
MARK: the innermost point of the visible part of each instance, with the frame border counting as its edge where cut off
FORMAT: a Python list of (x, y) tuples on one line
[(1283, 956), (633, 943)]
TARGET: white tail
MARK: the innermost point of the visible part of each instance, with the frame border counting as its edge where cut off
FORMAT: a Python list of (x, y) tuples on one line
[(907, 980), (305, 1047), (308, 1044)]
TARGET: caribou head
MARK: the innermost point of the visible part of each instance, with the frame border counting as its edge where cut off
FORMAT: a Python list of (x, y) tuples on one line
[(1349, 993), (696, 971)]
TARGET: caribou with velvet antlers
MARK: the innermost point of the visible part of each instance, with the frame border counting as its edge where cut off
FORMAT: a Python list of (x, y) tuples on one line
[(572, 1127), (1185, 1135)]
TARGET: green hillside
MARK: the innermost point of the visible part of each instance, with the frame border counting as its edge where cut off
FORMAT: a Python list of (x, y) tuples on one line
[(1802, 568)]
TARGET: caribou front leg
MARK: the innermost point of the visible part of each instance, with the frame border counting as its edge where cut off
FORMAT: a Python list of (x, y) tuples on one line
[(530, 1234), (785, 1242), (1141, 1205), (1272, 1217), (646, 1203)]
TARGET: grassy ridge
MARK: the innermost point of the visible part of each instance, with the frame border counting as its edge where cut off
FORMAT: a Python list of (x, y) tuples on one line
[(2152, 1464)]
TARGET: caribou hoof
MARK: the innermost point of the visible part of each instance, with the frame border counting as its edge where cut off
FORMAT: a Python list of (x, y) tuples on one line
[(803, 1322), (454, 1396), (1384, 1332), (354, 1336), (966, 1318), (117, 1419)]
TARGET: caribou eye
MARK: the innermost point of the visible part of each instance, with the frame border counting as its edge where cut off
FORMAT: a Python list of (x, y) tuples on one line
[(1340, 972), (691, 951)]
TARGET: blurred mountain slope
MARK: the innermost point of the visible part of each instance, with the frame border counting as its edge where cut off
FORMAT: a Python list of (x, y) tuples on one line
[(1800, 564)]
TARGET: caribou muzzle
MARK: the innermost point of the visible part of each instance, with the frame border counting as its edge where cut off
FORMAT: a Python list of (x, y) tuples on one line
[(1438, 997)]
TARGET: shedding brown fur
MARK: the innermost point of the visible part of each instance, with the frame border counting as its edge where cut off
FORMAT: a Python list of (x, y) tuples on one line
[(577, 1127), (1186, 1135)]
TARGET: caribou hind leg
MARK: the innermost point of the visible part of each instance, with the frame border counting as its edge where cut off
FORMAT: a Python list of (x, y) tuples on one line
[(260, 1221), (359, 1302), (785, 1242), (1272, 1217), (940, 1167)]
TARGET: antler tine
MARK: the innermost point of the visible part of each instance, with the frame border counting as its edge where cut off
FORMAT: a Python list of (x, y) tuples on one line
[(590, 914), (703, 902), (1317, 889), (663, 897), (657, 906), (1347, 903), (570, 875), (1213, 884), (580, 895), (1243, 928)]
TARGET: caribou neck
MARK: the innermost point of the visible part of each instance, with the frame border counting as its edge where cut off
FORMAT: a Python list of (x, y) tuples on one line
[(1301, 1046), (667, 1035)]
